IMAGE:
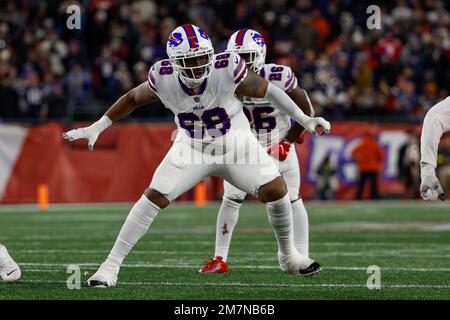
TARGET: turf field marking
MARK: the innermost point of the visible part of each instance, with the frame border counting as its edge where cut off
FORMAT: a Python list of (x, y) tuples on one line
[(268, 255), (66, 207), (186, 266), (358, 226), (348, 226), (403, 204), (26, 240), (269, 285)]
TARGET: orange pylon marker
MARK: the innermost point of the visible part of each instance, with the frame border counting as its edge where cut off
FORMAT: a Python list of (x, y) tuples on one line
[(42, 196), (200, 194)]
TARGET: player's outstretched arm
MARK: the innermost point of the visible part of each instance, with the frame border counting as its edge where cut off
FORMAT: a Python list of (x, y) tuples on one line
[(300, 97), (280, 149), (436, 122), (125, 105), (255, 86)]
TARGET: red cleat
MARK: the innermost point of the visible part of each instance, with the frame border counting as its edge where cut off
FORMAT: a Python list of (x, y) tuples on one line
[(216, 265)]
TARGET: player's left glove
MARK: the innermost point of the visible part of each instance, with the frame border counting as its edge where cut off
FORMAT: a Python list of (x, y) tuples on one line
[(280, 150), (90, 133), (430, 188), (316, 126), (300, 139)]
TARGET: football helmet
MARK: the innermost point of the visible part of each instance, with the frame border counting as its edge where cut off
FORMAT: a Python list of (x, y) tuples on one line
[(251, 42), (191, 53)]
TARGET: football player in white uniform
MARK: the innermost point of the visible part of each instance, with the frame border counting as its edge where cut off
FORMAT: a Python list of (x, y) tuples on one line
[(9, 270), (273, 129), (435, 124), (214, 139)]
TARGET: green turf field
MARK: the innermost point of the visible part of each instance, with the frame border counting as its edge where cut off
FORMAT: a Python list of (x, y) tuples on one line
[(410, 242)]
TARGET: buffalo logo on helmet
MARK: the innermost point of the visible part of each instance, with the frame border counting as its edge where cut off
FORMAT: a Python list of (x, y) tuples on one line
[(175, 39), (259, 39), (203, 34)]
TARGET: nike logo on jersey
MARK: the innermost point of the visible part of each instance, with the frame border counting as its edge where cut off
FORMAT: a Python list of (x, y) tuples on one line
[(10, 273), (236, 60)]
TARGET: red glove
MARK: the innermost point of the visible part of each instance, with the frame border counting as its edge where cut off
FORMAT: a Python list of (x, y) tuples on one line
[(300, 139), (280, 150)]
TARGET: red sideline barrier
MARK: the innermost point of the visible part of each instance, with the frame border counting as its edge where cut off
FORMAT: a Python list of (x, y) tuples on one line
[(119, 170), (126, 156), (344, 137)]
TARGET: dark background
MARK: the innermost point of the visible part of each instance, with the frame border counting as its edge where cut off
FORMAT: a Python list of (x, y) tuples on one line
[(394, 74)]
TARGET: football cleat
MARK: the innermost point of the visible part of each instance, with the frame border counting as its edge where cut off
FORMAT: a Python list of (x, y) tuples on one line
[(9, 270), (106, 276), (216, 265), (311, 270), (297, 264)]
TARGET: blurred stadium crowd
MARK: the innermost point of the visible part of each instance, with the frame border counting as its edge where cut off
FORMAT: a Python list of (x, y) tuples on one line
[(50, 72)]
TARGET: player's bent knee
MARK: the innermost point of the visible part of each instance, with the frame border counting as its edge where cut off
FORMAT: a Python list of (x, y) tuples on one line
[(232, 202), (272, 191), (157, 198), (239, 201)]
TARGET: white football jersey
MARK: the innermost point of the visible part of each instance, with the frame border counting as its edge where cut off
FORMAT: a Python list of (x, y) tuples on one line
[(268, 123), (212, 112)]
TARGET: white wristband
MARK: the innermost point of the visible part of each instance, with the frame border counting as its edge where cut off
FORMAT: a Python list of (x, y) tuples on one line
[(102, 124), (427, 169)]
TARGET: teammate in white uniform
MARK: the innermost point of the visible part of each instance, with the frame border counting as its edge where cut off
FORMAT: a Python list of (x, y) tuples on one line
[(435, 124), (9, 270), (273, 129), (214, 139)]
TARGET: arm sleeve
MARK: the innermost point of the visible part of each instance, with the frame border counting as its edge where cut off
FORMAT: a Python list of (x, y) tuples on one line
[(280, 99), (239, 69), (289, 79), (435, 124)]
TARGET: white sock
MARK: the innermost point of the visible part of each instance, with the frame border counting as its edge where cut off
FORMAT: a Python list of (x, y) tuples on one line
[(226, 221), (138, 221), (301, 227), (281, 220)]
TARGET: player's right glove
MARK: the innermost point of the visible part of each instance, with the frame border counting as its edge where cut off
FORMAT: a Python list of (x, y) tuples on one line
[(430, 188), (90, 133)]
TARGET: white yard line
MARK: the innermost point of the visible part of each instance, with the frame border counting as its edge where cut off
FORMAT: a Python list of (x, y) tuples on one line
[(149, 241), (386, 203), (62, 266), (267, 256), (269, 285), (67, 207)]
